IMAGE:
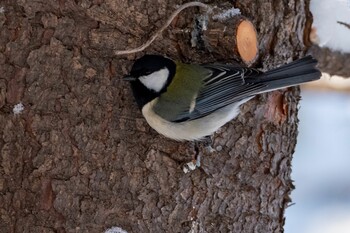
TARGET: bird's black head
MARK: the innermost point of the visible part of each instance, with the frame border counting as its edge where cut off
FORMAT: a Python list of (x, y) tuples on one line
[(150, 76)]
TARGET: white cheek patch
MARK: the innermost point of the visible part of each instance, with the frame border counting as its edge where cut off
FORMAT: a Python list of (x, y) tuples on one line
[(155, 81)]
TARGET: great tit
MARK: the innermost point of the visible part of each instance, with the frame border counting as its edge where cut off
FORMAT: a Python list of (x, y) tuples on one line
[(191, 101)]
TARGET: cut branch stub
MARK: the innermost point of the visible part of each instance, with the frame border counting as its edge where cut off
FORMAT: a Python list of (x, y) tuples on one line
[(247, 43), (233, 38)]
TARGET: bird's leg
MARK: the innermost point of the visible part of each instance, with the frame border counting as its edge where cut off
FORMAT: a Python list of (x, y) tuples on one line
[(207, 144), (197, 150), (196, 157), (193, 164)]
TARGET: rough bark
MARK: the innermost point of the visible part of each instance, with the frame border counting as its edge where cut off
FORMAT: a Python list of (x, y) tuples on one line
[(332, 62), (81, 158)]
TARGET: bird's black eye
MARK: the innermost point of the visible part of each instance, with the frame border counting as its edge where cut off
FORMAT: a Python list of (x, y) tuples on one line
[(147, 72)]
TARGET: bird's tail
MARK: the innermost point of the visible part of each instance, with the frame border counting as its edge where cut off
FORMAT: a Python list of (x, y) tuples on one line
[(300, 71)]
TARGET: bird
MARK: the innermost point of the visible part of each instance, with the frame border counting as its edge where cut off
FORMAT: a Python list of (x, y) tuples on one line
[(188, 102)]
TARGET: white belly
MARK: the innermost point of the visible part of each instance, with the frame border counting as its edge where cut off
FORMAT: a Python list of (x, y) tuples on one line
[(191, 130)]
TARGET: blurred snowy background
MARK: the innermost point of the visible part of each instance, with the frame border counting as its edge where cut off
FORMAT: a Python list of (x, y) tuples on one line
[(321, 163), (327, 15)]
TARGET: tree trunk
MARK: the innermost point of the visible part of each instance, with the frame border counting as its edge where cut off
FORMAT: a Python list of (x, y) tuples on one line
[(81, 158), (332, 62)]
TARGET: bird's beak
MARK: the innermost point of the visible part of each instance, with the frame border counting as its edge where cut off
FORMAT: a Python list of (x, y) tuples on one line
[(129, 78)]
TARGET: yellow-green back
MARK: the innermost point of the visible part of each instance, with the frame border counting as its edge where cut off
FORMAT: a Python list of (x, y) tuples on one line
[(182, 91)]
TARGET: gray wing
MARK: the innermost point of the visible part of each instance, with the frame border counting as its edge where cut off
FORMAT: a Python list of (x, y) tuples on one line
[(225, 85)]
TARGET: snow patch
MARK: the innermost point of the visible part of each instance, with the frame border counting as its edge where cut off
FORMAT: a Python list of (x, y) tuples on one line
[(18, 108), (201, 25), (115, 230), (330, 20), (227, 14), (204, 22), (194, 227), (191, 166), (2, 10)]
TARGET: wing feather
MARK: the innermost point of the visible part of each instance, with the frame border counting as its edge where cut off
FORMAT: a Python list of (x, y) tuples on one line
[(220, 85), (224, 85)]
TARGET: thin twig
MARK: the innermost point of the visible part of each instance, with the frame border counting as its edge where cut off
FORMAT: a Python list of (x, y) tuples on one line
[(345, 24), (168, 22)]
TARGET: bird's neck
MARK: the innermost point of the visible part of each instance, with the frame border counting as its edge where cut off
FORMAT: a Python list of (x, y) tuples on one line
[(142, 94)]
